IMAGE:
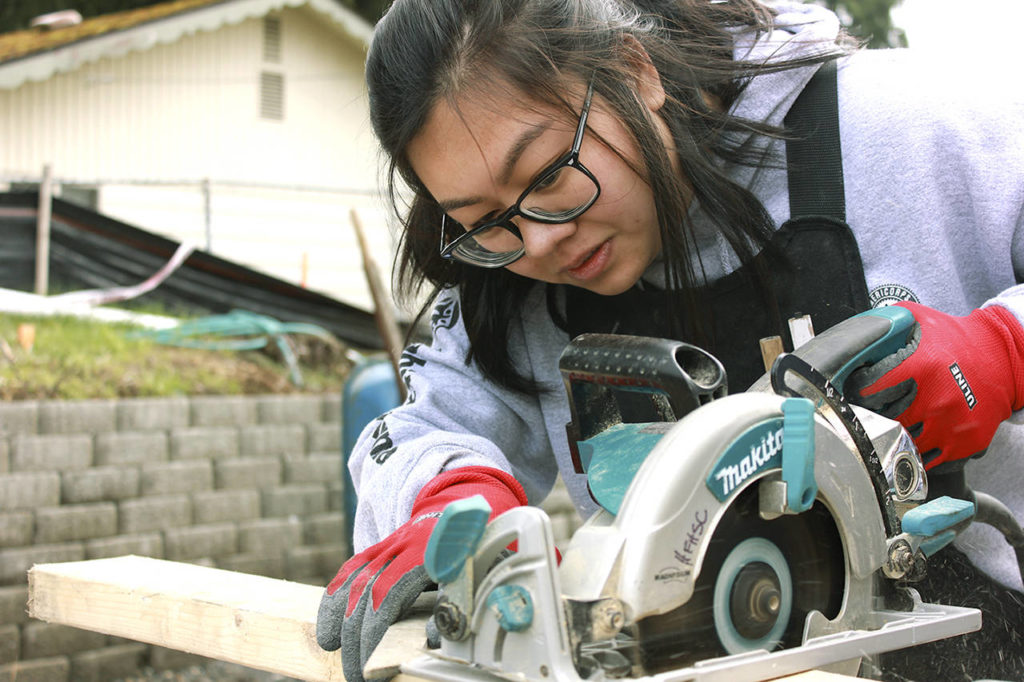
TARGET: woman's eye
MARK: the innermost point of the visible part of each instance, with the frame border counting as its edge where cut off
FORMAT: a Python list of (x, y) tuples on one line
[(549, 180), (481, 221)]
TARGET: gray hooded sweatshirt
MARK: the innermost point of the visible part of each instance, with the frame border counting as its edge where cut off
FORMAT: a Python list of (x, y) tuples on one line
[(933, 165)]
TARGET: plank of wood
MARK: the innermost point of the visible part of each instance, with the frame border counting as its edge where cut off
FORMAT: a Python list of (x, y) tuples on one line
[(251, 620), (258, 622)]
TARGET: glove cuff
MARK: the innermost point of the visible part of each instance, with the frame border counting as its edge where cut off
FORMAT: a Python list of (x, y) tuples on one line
[(501, 490), (1005, 324)]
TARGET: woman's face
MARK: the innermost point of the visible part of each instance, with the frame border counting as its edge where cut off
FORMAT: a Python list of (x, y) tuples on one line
[(479, 159)]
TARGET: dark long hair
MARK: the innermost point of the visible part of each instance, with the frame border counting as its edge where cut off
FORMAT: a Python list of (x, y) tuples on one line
[(425, 51)]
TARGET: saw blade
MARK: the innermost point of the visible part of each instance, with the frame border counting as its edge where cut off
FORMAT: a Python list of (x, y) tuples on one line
[(796, 567)]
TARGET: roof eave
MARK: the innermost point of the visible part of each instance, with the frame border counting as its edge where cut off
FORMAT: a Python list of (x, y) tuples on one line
[(43, 65)]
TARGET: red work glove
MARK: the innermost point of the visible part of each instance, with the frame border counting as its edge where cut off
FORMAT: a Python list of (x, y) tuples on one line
[(374, 588), (952, 385)]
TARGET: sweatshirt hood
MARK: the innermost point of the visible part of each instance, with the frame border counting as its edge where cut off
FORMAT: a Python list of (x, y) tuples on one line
[(799, 30)]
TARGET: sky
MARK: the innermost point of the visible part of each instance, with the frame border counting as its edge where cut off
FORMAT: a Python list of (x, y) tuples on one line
[(985, 25)]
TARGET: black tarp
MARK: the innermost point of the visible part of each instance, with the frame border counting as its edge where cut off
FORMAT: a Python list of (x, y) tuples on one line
[(91, 251)]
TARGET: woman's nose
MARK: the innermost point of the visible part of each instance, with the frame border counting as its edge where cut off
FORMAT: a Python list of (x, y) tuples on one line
[(541, 239)]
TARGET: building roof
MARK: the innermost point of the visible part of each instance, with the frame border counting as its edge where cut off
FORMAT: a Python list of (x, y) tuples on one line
[(90, 250), (37, 54)]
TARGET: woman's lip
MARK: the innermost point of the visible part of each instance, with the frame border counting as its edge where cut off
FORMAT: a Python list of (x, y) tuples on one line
[(591, 264)]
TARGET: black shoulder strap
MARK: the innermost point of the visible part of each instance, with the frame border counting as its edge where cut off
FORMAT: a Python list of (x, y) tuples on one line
[(814, 155)]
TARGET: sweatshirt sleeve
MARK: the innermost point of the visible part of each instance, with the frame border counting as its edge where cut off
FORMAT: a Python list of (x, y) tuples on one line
[(452, 417), (1013, 298)]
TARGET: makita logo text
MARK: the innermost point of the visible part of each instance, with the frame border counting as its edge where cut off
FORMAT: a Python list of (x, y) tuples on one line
[(965, 387), (760, 455)]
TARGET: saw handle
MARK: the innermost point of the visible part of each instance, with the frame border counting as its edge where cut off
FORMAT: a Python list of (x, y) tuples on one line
[(856, 342)]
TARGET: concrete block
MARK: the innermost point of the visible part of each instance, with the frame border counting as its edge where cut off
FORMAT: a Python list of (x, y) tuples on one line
[(176, 477), (153, 414), (225, 505), (5, 455), (207, 442), (269, 565), (171, 659), (335, 495), (51, 453), (16, 529), (297, 500), (10, 643), (324, 529), (269, 536), (197, 542), (109, 663), (14, 563), (324, 438), (28, 491), (224, 410), (56, 669), (126, 448), (40, 640), (331, 413), (290, 409), (320, 562), (144, 544), (14, 605), (107, 483), (76, 522), (19, 417), (312, 469), (154, 513), (275, 439), (77, 416), (251, 472)]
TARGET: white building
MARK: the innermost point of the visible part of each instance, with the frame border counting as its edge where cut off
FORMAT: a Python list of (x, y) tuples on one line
[(240, 125)]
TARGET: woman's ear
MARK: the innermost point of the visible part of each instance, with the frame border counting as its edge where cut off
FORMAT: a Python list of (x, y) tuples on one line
[(648, 79)]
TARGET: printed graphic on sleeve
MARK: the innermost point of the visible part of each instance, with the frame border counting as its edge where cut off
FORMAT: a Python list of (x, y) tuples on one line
[(382, 447), (888, 294), (409, 359), (446, 314)]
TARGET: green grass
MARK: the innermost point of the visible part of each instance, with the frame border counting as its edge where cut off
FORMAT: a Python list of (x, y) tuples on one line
[(73, 359)]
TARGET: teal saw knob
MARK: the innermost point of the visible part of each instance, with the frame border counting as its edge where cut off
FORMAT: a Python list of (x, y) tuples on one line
[(798, 453), (513, 606), (455, 538)]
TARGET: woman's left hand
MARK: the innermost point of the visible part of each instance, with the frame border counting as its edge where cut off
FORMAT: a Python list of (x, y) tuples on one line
[(953, 384)]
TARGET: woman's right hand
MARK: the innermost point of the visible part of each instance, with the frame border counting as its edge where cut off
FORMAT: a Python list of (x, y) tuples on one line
[(375, 587)]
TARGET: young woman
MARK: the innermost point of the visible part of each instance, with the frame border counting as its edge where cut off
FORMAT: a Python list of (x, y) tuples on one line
[(621, 165)]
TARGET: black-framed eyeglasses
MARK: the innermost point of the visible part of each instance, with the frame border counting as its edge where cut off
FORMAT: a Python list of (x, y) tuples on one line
[(560, 193)]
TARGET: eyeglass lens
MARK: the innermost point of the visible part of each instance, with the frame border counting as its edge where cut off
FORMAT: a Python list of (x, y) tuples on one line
[(558, 197)]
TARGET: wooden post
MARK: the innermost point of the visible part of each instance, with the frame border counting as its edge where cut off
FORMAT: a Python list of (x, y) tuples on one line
[(383, 310), (771, 348), (208, 214), (43, 231)]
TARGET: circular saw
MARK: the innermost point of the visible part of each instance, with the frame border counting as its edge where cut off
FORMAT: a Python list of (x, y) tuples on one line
[(740, 537)]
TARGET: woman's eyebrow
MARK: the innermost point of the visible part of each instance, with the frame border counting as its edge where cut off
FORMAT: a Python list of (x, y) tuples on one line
[(515, 152)]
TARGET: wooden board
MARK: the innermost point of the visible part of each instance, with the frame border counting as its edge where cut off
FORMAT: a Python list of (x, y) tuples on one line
[(258, 622), (254, 621)]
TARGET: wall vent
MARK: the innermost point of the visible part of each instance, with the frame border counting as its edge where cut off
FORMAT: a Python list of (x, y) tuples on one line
[(272, 39), (272, 95)]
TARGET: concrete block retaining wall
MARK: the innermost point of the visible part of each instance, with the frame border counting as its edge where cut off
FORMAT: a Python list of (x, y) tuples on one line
[(248, 484)]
